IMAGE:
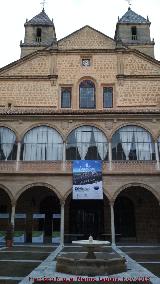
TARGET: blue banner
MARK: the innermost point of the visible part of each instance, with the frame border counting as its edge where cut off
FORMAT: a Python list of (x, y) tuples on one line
[(87, 179)]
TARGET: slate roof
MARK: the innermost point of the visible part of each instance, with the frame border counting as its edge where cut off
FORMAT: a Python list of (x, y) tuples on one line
[(133, 18), (41, 19)]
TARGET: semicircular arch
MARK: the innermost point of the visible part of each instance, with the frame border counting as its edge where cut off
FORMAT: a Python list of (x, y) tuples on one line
[(118, 127), (33, 126), (7, 191), (86, 124), (141, 185), (36, 184)]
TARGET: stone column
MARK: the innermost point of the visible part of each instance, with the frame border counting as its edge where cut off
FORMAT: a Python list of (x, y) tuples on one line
[(64, 156), (157, 155), (62, 223), (13, 212), (18, 155), (110, 155), (112, 222)]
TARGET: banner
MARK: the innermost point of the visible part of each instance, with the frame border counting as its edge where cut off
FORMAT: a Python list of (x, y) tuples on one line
[(56, 237), (2, 236), (20, 227), (19, 237), (38, 216), (37, 236), (87, 179)]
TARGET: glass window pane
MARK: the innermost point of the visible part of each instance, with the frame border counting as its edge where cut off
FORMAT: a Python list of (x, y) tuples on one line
[(107, 97), (87, 94), (132, 143), (87, 143), (65, 97)]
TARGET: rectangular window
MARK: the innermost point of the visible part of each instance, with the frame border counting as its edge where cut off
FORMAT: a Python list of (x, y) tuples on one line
[(107, 97), (134, 33), (66, 97)]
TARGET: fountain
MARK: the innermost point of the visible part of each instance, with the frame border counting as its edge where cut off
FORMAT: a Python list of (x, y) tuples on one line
[(100, 259)]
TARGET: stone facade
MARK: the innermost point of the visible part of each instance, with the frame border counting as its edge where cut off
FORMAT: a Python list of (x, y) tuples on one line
[(30, 93)]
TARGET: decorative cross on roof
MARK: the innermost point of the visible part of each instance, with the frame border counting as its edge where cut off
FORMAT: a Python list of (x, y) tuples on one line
[(43, 4), (129, 2)]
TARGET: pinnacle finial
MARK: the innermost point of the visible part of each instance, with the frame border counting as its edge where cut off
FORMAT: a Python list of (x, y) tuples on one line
[(129, 3), (43, 4)]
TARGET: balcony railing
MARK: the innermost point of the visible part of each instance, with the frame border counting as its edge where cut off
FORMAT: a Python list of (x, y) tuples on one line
[(134, 37), (60, 167)]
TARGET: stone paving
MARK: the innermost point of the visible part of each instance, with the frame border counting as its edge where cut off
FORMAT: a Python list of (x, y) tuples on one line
[(47, 269)]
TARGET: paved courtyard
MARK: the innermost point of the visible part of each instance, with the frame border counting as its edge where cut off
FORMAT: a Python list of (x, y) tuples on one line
[(19, 261), (22, 264)]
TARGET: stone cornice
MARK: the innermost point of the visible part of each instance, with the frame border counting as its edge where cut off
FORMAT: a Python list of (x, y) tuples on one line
[(139, 77), (28, 77), (49, 113)]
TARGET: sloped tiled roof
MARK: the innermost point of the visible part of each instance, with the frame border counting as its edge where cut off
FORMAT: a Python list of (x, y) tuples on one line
[(133, 18), (40, 19)]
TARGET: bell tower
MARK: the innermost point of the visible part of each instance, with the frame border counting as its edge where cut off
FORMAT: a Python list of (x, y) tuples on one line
[(39, 33), (134, 31)]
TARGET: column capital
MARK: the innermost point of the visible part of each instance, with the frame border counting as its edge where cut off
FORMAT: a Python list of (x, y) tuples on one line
[(62, 202), (111, 202), (13, 203)]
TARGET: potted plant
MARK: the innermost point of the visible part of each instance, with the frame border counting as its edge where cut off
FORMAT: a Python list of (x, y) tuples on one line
[(9, 235)]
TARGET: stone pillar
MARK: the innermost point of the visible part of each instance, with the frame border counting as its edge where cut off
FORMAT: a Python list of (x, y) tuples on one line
[(62, 223), (18, 155), (157, 155), (110, 155), (13, 212), (112, 222), (64, 156)]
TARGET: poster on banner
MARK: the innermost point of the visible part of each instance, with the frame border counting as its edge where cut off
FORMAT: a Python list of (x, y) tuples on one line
[(56, 228), (19, 237), (87, 179), (2, 236), (4, 219), (37, 236), (20, 224), (56, 237)]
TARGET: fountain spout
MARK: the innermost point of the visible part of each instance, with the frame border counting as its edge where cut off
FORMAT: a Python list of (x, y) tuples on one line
[(90, 239)]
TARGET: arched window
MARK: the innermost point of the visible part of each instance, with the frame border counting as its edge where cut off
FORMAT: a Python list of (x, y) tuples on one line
[(39, 35), (8, 147), (87, 94), (86, 143), (132, 143), (42, 143)]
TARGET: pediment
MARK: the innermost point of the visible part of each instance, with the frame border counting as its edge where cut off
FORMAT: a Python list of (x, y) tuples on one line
[(86, 38), (136, 63), (34, 64)]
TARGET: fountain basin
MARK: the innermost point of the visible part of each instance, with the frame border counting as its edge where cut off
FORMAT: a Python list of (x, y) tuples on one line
[(106, 261), (90, 267)]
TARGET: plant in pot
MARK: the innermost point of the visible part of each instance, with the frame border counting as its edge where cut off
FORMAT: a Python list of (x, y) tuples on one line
[(9, 235)]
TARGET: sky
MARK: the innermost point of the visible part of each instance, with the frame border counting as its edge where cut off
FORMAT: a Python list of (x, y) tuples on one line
[(68, 16)]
